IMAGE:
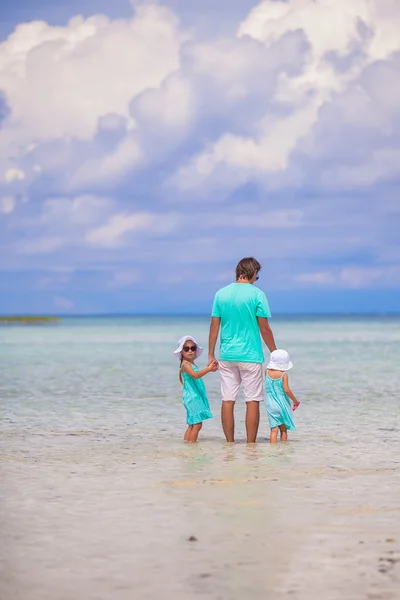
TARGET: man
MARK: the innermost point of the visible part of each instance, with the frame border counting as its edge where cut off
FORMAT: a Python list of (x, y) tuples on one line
[(242, 311)]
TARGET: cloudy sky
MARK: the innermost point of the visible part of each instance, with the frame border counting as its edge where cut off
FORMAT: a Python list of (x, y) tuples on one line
[(145, 147)]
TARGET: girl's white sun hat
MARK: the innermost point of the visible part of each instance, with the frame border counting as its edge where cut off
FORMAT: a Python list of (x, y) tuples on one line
[(280, 360), (181, 343)]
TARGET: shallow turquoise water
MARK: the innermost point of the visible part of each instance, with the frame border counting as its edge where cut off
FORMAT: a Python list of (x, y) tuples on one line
[(99, 495)]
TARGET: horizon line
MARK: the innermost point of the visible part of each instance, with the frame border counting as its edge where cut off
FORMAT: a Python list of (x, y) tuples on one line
[(197, 314)]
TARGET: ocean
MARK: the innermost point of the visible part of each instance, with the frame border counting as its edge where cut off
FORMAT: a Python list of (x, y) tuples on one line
[(101, 499)]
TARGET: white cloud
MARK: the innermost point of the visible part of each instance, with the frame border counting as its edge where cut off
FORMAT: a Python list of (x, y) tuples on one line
[(125, 278), (13, 174), (59, 80), (63, 303), (56, 281), (171, 105), (114, 232), (112, 122), (352, 277), (244, 158), (109, 168), (78, 210), (66, 216), (62, 222), (7, 204), (321, 278), (253, 218), (384, 163), (329, 27), (344, 39), (364, 277), (286, 56), (44, 245)]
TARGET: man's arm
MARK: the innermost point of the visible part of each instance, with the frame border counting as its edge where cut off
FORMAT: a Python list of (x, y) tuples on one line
[(266, 333), (212, 338)]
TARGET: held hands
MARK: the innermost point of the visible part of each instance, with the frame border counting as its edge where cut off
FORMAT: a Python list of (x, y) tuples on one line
[(213, 366)]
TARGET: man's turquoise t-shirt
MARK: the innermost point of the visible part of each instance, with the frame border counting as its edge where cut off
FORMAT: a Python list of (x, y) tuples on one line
[(238, 305)]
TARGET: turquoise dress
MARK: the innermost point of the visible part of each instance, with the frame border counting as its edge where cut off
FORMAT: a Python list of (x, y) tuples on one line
[(279, 409), (195, 399)]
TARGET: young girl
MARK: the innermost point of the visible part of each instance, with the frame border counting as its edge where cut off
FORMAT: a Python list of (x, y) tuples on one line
[(279, 395), (194, 395)]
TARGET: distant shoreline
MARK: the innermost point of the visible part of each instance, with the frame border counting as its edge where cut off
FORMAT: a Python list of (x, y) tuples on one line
[(28, 320)]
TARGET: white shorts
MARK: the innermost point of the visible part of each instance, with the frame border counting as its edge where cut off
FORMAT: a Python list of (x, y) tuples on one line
[(235, 373)]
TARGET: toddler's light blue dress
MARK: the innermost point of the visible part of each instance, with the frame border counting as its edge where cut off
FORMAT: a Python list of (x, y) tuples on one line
[(279, 409), (195, 399)]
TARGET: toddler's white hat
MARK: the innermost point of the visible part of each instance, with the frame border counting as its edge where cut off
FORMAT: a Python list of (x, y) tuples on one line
[(280, 360), (181, 343)]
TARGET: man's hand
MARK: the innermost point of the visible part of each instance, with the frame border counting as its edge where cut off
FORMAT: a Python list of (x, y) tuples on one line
[(211, 359), (213, 366)]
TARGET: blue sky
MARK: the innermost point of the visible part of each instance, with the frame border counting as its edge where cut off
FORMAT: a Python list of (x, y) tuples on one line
[(146, 147)]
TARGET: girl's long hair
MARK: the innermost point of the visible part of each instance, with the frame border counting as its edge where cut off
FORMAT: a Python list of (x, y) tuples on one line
[(180, 370)]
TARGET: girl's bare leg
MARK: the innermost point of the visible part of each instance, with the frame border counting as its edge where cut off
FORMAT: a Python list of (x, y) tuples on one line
[(273, 436), (187, 433), (283, 430), (194, 434)]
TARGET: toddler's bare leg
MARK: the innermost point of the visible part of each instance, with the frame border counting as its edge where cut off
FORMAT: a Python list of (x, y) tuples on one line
[(194, 434), (283, 430), (273, 436), (187, 433)]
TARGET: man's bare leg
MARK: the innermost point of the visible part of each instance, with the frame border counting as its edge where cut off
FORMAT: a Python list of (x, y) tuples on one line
[(252, 420), (228, 420)]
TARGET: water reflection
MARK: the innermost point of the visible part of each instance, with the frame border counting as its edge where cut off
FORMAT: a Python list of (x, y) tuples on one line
[(196, 458), (229, 452)]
